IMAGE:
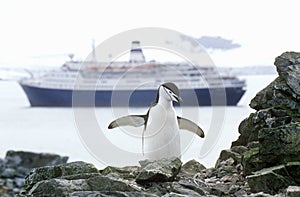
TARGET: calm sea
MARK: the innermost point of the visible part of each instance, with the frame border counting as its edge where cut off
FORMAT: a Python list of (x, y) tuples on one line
[(59, 130)]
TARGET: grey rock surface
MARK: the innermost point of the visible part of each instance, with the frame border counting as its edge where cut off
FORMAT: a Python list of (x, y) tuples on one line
[(272, 133), (160, 171), (17, 164)]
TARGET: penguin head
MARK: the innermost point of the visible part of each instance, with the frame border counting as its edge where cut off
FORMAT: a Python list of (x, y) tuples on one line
[(170, 92)]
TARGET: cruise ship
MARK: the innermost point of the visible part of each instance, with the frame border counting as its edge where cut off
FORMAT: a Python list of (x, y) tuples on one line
[(130, 83)]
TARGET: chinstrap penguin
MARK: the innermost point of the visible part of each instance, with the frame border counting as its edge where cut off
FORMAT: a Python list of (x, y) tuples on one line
[(161, 125)]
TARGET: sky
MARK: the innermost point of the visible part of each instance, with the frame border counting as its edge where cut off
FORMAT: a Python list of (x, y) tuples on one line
[(43, 32)]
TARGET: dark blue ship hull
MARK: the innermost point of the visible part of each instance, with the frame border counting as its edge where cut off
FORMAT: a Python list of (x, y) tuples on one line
[(191, 97)]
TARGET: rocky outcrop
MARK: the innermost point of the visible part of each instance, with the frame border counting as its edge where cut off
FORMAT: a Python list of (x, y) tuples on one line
[(171, 179), (17, 164), (272, 133), (166, 177)]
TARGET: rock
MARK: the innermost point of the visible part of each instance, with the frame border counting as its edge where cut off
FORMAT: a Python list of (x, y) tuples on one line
[(20, 182), (293, 191), (225, 170), (174, 194), (234, 189), (293, 78), (275, 145), (128, 172), (62, 187), (288, 67), (110, 193), (229, 170), (284, 92), (261, 194), (239, 149), (190, 168), (81, 178), (227, 154), (17, 164), (158, 188), (102, 183), (251, 161), (1, 164), (9, 184), (158, 171), (272, 105), (240, 193), (233, 178), (278, 94), (220, 189), (31, 160), (271, 180), (178, 190), (294, 171), (208, 173), (58, 187), (280, 144), (272, 133), (264, 118), (50, 172), (248, 130), (190, 187), (8, 173), (22, 171)]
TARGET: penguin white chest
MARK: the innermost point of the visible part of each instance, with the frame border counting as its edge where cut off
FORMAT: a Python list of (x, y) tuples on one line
[(162, 139)]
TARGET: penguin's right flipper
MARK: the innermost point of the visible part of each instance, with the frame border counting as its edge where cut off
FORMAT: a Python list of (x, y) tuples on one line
[(186, 124), (132, 120)]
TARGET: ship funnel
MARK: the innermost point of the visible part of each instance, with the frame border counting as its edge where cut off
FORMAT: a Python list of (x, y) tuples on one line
[(136, 53)]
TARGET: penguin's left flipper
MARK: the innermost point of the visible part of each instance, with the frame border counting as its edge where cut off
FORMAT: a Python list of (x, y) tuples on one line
[(132, 120), (190, 126)]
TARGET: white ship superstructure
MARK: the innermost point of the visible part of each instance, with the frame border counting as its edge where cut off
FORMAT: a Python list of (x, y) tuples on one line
[(137, 75)]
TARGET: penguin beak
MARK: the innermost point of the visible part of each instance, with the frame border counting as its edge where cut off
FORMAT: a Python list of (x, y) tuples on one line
[(173, 96), (178, 99)]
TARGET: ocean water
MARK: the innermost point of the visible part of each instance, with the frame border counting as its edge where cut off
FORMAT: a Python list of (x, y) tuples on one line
[(82, 133)]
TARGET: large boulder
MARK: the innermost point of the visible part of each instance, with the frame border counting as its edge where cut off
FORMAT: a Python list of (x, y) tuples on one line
[(160, 170), (77, 177), (63, 170), (63, 187), (272, 133), (271, 180), (191, 168)]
